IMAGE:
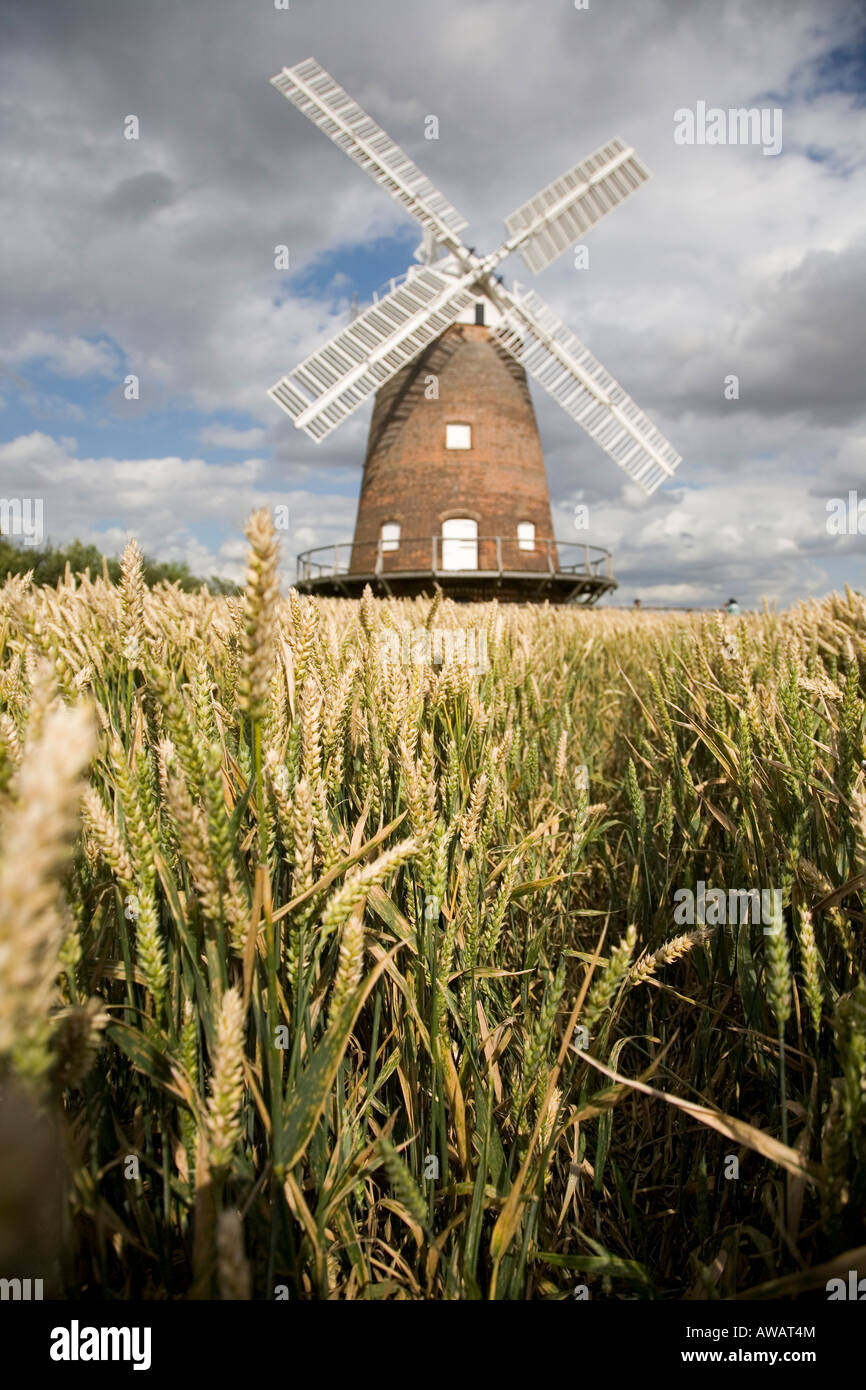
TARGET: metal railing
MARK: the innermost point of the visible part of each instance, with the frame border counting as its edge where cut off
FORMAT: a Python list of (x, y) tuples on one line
[(442, 555)]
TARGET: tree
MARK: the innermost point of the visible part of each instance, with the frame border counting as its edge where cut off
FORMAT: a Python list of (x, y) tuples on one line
[(48, 564)]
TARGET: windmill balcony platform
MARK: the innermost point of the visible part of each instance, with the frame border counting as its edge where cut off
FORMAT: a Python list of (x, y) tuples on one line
[(467, 571)]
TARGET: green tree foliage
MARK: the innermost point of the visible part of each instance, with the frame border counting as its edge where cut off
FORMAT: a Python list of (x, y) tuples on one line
[(49, 562)]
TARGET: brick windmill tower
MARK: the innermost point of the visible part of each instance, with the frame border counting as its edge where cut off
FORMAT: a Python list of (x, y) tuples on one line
[(454, 490)]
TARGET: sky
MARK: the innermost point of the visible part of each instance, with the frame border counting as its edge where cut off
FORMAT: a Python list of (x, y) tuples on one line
[(155, 258)]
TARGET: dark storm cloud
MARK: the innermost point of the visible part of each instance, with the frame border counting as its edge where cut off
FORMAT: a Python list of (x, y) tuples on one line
[(807, 346), (137, 197)]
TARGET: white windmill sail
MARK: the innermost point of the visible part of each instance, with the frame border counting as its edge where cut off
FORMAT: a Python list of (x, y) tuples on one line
[(328, 106), (558, 216), (558, 360), (331, 383)]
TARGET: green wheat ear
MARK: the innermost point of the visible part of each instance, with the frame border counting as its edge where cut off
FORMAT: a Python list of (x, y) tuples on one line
[(811, 965), (402, 1183), (778, 971), (635, 796)]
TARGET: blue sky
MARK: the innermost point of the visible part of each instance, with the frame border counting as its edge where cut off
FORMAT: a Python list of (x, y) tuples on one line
[(156, 257)]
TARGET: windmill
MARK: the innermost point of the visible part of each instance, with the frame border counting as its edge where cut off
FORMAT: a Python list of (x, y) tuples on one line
[(454, 489)]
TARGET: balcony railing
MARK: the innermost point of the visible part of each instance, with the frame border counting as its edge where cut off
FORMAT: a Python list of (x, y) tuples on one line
[(443, 556)]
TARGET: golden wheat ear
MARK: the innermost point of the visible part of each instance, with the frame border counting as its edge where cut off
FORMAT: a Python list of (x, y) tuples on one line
[(39, 825)]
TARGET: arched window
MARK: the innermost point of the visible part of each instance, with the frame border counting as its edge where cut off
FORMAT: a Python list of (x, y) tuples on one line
[(526, 535), (389, 535), (459, 543)]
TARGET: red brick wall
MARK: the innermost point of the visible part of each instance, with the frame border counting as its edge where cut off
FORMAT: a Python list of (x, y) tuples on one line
[(410, 476)]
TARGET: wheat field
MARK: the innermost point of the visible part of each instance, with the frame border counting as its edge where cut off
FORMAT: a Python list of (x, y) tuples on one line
[(328, 974)]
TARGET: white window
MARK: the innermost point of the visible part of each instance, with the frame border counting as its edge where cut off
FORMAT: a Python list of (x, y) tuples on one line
[(526, 535), (390, 535), (460, 544), (458, 436)]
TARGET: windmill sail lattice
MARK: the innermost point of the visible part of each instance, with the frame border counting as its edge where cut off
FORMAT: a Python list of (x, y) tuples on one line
[(329, 107), (558, 360), (555, 218), (331, 383)]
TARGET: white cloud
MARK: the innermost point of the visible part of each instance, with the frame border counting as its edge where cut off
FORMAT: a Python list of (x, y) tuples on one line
[(171, 505), (71, 356), (225, 437)]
